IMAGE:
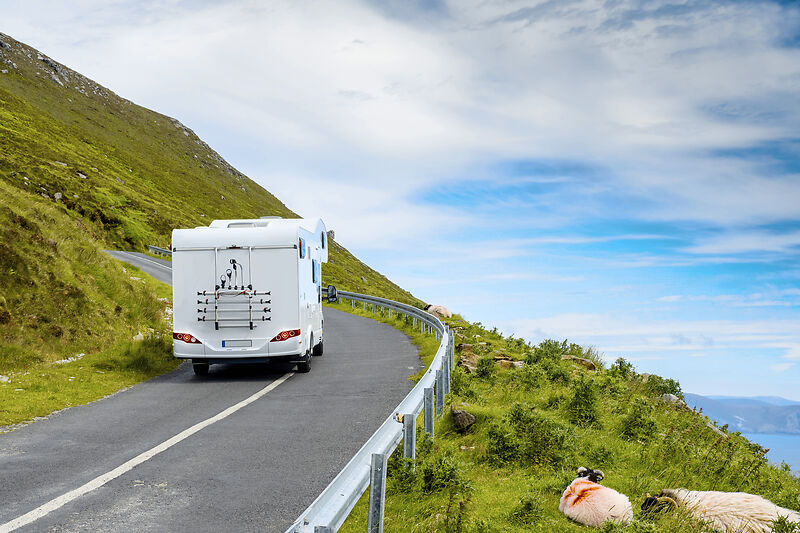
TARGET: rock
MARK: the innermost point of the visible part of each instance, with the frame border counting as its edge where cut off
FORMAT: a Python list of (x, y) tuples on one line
[(670, 398), (75, 196), (222, 197), (715, 429), (138, 337), (120, 180), (4, 71), (4, 379), (82, 176), (331, 235), (364, 279), (58, 196), (61, 163), (505, 363), (462, 420), (580, 360), (468, 361)]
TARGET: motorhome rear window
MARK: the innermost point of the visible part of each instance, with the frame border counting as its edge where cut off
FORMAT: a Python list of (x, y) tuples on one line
[(314, 271), (302, 246), (322, 238)]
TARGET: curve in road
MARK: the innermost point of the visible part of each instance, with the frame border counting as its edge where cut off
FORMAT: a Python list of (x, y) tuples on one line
[(256, 469)]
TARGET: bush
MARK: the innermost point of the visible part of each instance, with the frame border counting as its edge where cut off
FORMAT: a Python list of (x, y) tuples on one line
[(529, 376), (501, 444), (460, 384), (555, 372), (486, 368), (528, 510), (622, 369), (656, 385), (547, 350), (540, 440), (639, 423), (442, 472), (582, 407)]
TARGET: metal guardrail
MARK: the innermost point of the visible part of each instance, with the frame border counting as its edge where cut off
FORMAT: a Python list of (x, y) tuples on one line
[(368, 466), (159, 251)]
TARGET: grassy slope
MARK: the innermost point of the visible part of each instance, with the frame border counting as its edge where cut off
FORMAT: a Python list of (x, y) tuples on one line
[(82, 170), (535, 427)]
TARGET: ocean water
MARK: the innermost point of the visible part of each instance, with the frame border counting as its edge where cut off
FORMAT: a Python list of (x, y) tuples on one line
[(781, 448)]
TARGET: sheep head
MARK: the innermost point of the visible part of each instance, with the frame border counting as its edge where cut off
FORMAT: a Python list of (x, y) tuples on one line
[(593, 475), (658, 504)]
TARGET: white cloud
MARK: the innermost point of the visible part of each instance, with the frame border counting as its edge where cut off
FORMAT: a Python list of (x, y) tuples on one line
[(748, 241), (781, 367)]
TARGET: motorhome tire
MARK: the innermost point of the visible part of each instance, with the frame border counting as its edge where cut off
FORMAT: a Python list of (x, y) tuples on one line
[(200, 367), (317, 350), (302, 368)]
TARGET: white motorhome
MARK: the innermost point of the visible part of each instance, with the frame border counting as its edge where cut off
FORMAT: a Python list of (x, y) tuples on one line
[(248, 291)]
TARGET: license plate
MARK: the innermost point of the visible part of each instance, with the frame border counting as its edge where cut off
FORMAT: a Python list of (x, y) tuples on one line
[(237, 344)]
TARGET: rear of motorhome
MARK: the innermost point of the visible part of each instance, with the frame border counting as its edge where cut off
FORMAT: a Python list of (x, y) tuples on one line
[(248, 291)]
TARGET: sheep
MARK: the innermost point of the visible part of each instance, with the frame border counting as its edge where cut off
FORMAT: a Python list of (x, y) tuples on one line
[(731, 512), (592, 504), (440, 310)]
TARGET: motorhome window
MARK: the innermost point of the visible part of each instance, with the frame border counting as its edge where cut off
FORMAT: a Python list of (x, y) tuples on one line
[(322, 238), (314, 271), (302, 246)]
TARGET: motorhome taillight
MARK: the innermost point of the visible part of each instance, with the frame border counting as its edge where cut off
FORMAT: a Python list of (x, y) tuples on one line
[(283, 335), (185, 337)]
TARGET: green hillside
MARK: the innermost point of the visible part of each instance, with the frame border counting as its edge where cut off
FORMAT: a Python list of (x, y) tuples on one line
[(83, 170), (538, 417)]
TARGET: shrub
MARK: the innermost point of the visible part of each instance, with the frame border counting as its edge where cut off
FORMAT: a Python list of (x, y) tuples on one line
[(540, 439), (442, 472), (547, 350), (529, 376), (622, 369), (656, 385), (501, 444), (486, 368), (555, 372), (528, 510), (460, 384), (639, 423), (582, 407)]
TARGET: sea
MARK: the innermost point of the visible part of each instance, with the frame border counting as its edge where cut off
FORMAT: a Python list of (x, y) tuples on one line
[(782, 448)]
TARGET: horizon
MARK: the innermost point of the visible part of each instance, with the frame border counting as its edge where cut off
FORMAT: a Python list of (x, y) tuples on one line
[(622, 175)]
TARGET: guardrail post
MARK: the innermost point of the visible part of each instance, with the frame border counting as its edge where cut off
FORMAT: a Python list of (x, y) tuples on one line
[(415, 321), (353, 303), (439, 393), (428, 410), (446, 377), (409, 436), (365, 306), (377, 493)]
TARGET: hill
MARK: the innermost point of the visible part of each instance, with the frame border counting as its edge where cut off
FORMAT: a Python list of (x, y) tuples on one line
[(750, 415), (82, 170)]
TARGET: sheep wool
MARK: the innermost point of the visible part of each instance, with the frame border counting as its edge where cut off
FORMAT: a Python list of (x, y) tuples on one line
[(592, 504), (440, 310), (731, 512)]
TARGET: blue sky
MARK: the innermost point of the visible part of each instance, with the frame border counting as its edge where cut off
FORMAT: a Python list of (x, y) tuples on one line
[(625, 174)]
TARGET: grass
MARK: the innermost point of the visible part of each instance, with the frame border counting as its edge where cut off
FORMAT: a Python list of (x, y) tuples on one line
[(532, 432)]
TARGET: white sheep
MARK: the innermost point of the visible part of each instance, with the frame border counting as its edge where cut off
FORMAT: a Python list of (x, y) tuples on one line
[(731, 512), (592, 504), (440, 310)]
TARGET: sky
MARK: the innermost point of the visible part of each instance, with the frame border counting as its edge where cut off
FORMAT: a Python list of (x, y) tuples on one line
[(623, 174)]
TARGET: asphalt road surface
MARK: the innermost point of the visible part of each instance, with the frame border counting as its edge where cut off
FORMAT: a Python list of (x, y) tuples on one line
[(251, 445)]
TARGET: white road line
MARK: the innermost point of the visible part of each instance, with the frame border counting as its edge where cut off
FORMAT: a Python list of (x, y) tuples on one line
[(101, 480), (145, 258)]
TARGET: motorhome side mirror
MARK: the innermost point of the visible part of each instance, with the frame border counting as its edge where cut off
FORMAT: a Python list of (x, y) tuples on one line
[(332, 295)]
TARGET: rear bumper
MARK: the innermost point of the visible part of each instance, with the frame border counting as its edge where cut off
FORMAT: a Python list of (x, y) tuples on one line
[(264, 350)]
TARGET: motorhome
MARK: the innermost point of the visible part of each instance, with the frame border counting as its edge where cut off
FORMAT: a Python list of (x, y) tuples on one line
[(248, 290)]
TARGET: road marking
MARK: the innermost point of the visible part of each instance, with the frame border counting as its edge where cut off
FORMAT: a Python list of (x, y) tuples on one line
[(145, 258), (101, 480)]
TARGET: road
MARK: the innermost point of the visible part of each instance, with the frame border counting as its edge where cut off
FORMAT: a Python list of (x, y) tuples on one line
[(256, 469)]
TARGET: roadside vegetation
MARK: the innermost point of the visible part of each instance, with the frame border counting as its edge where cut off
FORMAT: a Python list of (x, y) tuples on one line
[(539, 417)]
